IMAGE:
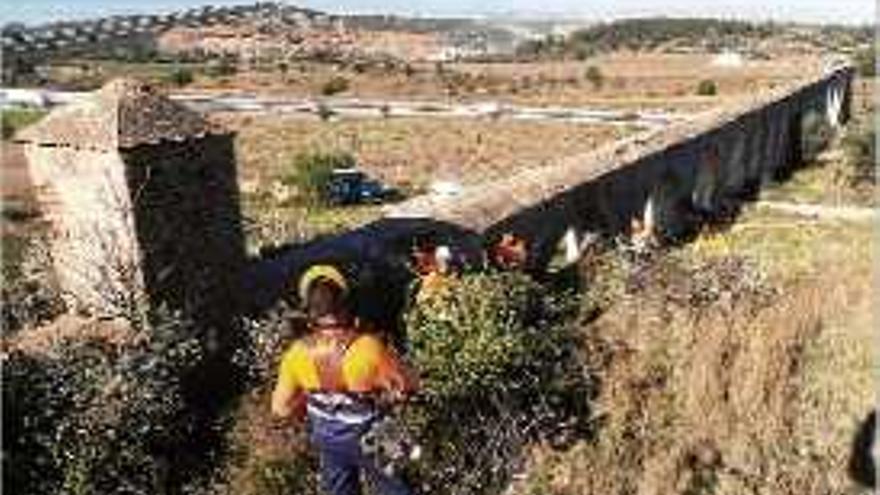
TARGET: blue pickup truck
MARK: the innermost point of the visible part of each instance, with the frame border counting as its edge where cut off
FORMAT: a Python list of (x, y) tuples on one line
[(349, 186)]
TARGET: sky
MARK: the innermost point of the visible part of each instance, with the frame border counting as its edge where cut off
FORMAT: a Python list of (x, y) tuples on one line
[(845, 11)]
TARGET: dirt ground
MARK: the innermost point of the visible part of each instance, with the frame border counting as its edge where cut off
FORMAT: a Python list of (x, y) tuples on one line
[(413, 151), (407, 153)]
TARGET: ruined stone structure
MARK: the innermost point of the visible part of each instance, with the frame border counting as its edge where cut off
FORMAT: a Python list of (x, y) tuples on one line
[(141, 197)]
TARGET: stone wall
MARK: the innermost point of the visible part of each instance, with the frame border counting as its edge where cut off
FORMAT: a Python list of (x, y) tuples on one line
[(664, 179), (85, 201), (187, 223), (146, 226)]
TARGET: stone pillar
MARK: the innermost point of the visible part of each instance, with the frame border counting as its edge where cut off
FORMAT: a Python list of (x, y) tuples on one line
[(142, 200)]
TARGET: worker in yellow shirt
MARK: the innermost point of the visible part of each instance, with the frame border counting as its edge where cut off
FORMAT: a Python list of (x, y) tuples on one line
[(337, 377)]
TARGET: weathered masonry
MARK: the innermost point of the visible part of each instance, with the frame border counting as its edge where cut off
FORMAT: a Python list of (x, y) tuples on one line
[(141, 198), (663, 179)]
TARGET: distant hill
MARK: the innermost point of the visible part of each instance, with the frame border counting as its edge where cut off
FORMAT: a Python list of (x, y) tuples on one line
[(264, 29), (697, 34)]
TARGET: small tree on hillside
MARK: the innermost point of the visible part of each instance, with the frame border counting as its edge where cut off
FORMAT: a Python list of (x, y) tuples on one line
[(311, 174), (707, 87), (335, 85), (595, 77), (180, 76)]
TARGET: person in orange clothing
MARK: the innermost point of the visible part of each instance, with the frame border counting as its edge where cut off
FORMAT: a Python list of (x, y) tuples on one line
[(510, 253), (434, 266), (338, 377)]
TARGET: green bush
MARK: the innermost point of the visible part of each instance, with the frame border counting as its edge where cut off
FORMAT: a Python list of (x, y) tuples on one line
[(334, 85), (499, 368), (18, 118), (30, 295), (594, 75), (92, 415), (180, 76), (861, 152), (707, 87), (311, 173), (865, 61)]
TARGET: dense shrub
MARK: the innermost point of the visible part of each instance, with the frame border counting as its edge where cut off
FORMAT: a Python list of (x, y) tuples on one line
[(311, 173), (861, 152), (30, 295), (500, 368), (180, 76), (17, 118), (707, 87), (865, 61), (334, 85), (324, 111), (595, 77), (98, 414)]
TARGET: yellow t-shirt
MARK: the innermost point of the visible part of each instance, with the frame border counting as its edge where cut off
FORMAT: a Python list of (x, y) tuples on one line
[(366, 366)]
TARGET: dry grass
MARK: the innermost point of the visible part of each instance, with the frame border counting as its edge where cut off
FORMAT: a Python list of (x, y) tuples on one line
[(406, 153), (412, 151), (745, 394), (632, 80)]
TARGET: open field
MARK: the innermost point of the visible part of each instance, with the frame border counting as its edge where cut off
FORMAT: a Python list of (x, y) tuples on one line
[(409, 154), (632, 81), (413, 152), (653, 81)]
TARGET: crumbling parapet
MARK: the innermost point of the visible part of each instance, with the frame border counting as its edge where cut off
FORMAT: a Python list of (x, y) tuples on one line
[(142, 203)]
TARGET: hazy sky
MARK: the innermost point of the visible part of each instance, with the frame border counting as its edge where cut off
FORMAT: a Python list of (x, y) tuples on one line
[(849, 11)]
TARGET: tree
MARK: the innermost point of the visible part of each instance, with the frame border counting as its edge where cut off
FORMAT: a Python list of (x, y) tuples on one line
[(180, 76), (707, 87), (595, 76), (337, 84)]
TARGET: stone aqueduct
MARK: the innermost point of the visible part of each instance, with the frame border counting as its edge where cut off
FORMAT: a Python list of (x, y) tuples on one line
[(667, 179)]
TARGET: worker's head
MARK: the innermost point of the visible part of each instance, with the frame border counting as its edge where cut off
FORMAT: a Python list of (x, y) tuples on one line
[(423, 254), (323, 290)]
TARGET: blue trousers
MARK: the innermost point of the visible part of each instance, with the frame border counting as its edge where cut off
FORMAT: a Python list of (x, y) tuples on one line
[(343, 462)]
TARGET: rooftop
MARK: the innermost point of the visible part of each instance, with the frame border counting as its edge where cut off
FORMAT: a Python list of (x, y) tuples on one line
[(125, 113)]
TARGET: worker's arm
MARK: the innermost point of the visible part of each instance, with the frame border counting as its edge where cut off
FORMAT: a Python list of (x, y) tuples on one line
[(288, 398)]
